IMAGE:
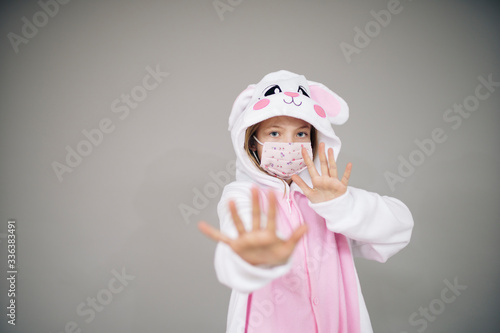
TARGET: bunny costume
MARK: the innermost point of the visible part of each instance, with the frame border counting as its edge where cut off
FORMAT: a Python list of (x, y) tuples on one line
[(318, 289)]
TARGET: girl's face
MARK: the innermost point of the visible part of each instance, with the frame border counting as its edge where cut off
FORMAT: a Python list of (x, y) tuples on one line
[(281, 129)]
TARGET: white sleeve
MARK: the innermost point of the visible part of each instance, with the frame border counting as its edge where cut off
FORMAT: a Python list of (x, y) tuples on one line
[(231, 269), (378, 226)]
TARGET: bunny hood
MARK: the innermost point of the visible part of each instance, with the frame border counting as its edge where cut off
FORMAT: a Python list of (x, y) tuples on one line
[(284, 93)]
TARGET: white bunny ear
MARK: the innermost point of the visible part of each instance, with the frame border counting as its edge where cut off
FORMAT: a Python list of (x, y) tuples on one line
[(335, 107), (240, 104)]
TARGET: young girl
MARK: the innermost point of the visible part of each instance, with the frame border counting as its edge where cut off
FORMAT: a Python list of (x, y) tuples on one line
[(289, 228)]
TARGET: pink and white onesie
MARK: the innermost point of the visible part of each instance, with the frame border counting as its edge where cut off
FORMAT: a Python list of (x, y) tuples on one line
[(318, 289)]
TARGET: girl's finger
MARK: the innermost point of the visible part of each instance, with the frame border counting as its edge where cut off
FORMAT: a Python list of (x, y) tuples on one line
[(271, 212), (347, 174), (309, 163), (255, 209), (236, 219), (322, 159), (213, 233), (302, 184), (333, 164)]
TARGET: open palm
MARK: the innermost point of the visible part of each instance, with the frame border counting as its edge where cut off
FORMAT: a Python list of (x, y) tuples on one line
[(260, 245), (326, 186)]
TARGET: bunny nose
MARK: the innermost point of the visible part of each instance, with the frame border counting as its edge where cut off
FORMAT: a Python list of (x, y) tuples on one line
[(291, 94)]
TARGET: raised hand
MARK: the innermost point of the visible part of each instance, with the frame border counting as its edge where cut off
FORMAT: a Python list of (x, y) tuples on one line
[(326, 186), (260, 245)]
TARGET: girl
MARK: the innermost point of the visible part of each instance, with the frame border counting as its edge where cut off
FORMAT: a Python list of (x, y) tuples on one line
[(291, 269)]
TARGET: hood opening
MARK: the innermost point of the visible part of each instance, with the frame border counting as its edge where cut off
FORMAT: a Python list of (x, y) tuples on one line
[(291, 95)]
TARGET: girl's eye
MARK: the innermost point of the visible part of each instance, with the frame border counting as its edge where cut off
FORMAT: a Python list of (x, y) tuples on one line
[(302, 134), (274, 134)]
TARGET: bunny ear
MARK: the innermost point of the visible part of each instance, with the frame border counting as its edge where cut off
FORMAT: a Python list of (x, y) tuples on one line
[(335, 107), (240, 104)]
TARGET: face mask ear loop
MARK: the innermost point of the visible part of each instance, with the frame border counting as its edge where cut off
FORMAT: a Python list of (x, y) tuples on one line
[(258, 140), (255, 155), (253, 151)]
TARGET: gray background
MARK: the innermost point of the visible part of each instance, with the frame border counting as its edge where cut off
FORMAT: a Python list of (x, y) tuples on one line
[(120, 208)]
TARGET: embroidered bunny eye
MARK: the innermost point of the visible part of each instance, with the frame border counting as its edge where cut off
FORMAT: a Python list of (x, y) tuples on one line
[(273, 90), (302, 91)]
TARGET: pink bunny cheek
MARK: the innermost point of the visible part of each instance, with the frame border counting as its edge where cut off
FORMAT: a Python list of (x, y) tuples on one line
[(261, 104), (319, 110)]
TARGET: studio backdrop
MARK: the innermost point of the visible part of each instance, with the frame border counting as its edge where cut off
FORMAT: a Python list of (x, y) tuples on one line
[(114, 143)]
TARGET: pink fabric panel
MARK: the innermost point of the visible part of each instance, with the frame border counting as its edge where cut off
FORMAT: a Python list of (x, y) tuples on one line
[(319, 294), (249, 305), (328, 101)]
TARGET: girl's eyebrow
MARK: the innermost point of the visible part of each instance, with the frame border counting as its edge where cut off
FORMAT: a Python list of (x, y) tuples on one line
[(278, 126)]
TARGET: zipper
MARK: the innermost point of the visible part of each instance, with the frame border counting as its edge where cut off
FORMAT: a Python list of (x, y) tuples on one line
[(288, 198), (289, 201)]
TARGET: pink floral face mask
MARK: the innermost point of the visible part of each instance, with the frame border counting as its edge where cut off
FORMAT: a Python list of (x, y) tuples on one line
[(283, 159)]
